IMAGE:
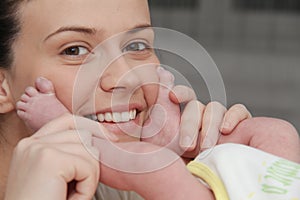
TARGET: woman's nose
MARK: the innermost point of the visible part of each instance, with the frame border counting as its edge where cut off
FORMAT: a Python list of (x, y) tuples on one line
[(119, 77)]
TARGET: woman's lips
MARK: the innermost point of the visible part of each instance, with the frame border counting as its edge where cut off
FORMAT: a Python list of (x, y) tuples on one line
[(117, 116), (122, 124)]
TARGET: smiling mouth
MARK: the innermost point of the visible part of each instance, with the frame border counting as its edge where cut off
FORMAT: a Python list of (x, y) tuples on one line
[(116, 117)]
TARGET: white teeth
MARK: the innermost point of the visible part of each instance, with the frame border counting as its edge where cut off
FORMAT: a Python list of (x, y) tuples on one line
[(132, 114), (125, 116), (108, 117), (101, 117), (117, 116)]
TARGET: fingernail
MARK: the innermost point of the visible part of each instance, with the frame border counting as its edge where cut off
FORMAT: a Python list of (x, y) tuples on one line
[(186, 141), (41, 79), (47, 85), (225, 125), (207, 143)]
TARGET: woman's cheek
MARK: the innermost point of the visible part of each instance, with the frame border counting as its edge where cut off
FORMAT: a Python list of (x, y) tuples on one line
[(17, 85), (64, 89)]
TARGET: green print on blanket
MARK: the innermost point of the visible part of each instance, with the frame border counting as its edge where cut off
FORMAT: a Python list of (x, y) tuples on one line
[(280, 175)]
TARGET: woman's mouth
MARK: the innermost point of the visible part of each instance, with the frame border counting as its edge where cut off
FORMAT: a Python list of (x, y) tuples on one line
[(115, 117), (124, 124)]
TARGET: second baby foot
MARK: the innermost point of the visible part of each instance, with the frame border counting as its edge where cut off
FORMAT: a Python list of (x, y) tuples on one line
[(163, 126), (39, 105)]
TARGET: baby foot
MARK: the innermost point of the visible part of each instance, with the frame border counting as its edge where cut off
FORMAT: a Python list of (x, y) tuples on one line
[(163, 126), (39, 105)]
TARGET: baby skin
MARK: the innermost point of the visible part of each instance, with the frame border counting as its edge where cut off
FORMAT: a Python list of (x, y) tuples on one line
[(39, 105)]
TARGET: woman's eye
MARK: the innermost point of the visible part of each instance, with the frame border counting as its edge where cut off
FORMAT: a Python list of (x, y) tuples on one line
[(75, 51), (136, 46)]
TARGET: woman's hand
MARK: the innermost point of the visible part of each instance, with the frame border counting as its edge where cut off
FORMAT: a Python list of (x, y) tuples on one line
[(202, 125), (55, 158), (197, 127), (150, 170)]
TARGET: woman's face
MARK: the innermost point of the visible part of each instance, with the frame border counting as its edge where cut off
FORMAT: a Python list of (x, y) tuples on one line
[(58, 35)]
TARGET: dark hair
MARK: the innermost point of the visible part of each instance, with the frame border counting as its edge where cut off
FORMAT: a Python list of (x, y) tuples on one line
[(9, 28)]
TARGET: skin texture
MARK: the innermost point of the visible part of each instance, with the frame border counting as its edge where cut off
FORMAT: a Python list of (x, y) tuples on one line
[(40, 105)]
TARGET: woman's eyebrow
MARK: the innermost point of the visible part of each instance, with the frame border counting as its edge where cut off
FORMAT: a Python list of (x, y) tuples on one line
[(93, 31), (139, 28), (85, 30)]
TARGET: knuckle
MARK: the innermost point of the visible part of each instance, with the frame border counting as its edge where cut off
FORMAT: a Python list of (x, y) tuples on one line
[(34, 149), (29, 149), (23, 144), (43, 154)]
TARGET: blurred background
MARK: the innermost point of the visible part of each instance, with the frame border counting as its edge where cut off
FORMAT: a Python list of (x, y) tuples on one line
[(255, 44)]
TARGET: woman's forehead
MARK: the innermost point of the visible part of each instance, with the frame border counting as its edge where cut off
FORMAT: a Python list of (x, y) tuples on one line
[(101, 7), (109, 16)]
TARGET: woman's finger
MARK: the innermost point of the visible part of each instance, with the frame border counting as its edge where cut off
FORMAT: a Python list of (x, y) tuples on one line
[(212, 120), (87, 152), (233, 117), (82, 169), (182, 94), (62, 163), (80, 140), (190, 125), (69, 136)]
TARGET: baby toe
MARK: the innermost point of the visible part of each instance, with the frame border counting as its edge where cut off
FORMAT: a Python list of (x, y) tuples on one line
[(166, 78), (21, 106), (24, 98), (44, 85), (31, 91), (22, 114)]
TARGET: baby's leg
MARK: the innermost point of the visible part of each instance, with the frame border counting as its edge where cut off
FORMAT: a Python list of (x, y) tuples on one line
[(39, 105), (165, 115), (271, 135)]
